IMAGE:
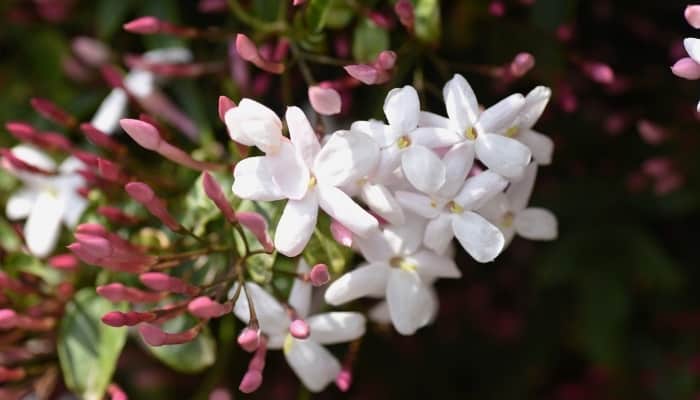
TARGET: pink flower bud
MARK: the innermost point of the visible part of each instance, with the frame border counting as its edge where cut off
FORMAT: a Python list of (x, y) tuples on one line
[(257, 225), (100, 138), (96, 246), (8, 318), (249, 339), (165, 283), (143, 133), (522, 64), (114, 292), (140, 192), (91, 229), (214, 192), (599, 72), (692, 15), (326, 101), (21, 130), (686, 68), (249, 52), (152, 335), (112, 76), (404, 10), (299, 329), (143, 25), (52, 112), (380, 19), (110, 171), (497, 8), (386, 59), (90, 51), (341, 234), (319, 275), (114, 318), (363, 73), (205, 308), (225, 104), (251, 381), (11, 375), (298, 2), (651, 133), (212, 6), (343, 380), (116, 215), (65, 261), (116, 393)]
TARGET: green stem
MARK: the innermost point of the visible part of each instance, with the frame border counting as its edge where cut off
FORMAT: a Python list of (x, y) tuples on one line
[(255, 22)]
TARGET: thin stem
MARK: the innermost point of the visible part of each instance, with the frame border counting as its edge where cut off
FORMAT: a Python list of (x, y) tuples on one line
[(254, 22)]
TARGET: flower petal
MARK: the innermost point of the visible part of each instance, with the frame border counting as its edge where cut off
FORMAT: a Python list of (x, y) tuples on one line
[(343, 209), (519, 192), (402, 108), (478, 237), (535, 103), (289, 171), (375, 247), (302, 135), (407, 295), (423, 169), (429, 119), (20, 203), (458, 161), (479, 189), (300, 295), (34, 157), (380, 132), (296, 225), (110, 111), (346, 157), (434, 137), (380, 200), (432, 265), (406, 238), (43, 226), (252, 123), (536, 224), (336, 327), (419, 204), (692, 46), (252, 180), (502, 115), (503, 155), (380, 313), (365, 280), (438, 233), (272, 316), (315, 366), (461, 104), (540, 145)]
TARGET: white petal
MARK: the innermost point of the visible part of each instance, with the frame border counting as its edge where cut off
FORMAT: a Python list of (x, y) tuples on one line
[(479, 189), (460, 101), (495, 209), (296, 225), (434, 137), (540, 145), (692, 46), (380, 313), (302, 135), (20, 203), (289, 171), (345, 158), (502, 115), (519, 192), (419, 204), (75, 206), (458, 161), (140, 83), (336, 327), (380, 132), (478, 237), (381, 201), (271, 314), (365, 280), (407, 295), (111, 110), (535, 103), (252, 180), (438, 233), (315, 366), (407, 237), (401, 108), (341, 207), (34, 157), (300, 295), (375, 247), (389, 161), (423, 169), (536, 224), (428, 119), (432, 265), (43, 226), (503, 155), (253, 124)]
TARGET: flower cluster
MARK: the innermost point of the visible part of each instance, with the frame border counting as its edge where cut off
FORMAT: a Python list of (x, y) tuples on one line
[(689, 67)]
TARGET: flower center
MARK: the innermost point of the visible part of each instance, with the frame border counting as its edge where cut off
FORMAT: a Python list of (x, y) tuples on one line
[(455, 208), (507, 220), (401, 263), (403, 142), (471, 133), (513, 131), (312, 181), (288, 343)]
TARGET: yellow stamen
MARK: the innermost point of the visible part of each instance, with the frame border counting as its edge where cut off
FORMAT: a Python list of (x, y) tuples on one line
[(455, 208), (401, 263), (507, 221), (288, 343), (470, 133), (512, 131), (312, 181), (403, 142)]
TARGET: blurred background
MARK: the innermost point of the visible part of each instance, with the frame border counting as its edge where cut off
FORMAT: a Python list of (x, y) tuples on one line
[(610, 310)]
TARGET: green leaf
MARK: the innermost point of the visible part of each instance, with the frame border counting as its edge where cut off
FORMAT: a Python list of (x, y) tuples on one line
[(110, 16), (368, 41), (427, 23), (322, 248), (191, 357), (316, 14), (339, 14), (88, 350)]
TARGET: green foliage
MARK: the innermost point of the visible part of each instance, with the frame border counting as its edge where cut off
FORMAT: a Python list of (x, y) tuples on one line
[(368, 40)]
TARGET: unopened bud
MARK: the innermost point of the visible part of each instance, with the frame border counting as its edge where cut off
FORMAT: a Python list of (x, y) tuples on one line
[(144, 25), (319, 275), (251, 381), (249, 339), (299, 329), (143, 133)]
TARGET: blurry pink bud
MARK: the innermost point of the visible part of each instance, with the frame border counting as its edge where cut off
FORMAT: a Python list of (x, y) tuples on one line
[(326, 101), (21, 130), (100, 138), (686, 68), (599, 72), (114, 318), (143, 25), (692, 15), (522, 64), (298, 2), (497, 8), (65, 261), (251, 381), (249, 52), (95, 246), (165, 283), (668, 184), (404, 9), (143, 133), (8, 318), (87, 158), (220, 393), (257, 225), (112, 76), (341, 234), (140, 192), (116, 393), (380, 19), (205, 308), (110, 171), (225, 104), (658, 167), (319, 275), (565, 32), (299, 329), (11, 375), (52, 112), (249, 339), (214, 192), (90, 51), (343, 380), (363, 73), (154, 336), (116, 215), (651, 133), (212, 6), (386, 59)]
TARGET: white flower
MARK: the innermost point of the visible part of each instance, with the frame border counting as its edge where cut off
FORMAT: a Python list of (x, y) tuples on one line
[(400, 270), (540, 145), (310, 177), (509, 211), (452, 216), (315, 366), (503, 155), (45, 200), (253, 124), (692, 47)]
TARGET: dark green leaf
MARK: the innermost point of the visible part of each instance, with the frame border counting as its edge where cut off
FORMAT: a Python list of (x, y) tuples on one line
[(368, 41), (316, 14)]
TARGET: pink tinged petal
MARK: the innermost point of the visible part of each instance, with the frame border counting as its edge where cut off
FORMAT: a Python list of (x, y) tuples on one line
[(402, 108), (419, 204), (438, 233), (535, 103), (216, 195), (342, 208), (20, 203), (503, 155), (366, 74), (336, 327), (407, 295), (502, 115), (460, 102), (302, 135), (289, 172), (300, 295), (481, 239), (257, 225), (380, 200), (458, 162), (692, 15), (692, 46), (686, 68), (363, 281), (315, 366), (429, 119), (272, 316), (341, 234), (541, 146), (519, 192), (434, 137), (479, 189), (522, 64), (423, 169), (43, 225), (430, 265), (252, 180), (253, 124), (345, 158), (225, 104), (296, 225), (326, 101), (536, 224)]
